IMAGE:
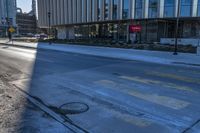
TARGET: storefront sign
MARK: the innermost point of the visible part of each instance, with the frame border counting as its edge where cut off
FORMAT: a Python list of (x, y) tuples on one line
[(135, 28)]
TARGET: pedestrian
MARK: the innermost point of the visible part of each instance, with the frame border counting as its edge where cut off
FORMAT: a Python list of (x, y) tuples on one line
[(9, 36)]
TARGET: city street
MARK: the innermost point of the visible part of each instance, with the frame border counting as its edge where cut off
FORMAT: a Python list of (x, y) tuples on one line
[(103, 95)]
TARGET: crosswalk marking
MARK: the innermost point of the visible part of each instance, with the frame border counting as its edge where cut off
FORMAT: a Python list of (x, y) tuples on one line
[(156, 82), (165, 101), (176, 77)]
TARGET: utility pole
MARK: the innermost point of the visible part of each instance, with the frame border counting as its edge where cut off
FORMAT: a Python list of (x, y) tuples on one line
[(7, 18), (177, 28), (49, 16)]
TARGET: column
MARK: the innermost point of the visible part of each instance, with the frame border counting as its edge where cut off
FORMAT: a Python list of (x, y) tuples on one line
[(132, 9), (176, 7), (146, 8), (161, 8), (194, 8)]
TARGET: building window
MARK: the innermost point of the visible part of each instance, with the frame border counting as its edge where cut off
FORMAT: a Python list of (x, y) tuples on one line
[(138, 8), (169, 8), (153, 8), (115, 5), (198, 13), (186, 7), (106, 9), (125, 11)]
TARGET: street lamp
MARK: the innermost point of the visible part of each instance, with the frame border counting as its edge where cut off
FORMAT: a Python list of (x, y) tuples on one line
[(177, 27), (7, 20), (49, 16)]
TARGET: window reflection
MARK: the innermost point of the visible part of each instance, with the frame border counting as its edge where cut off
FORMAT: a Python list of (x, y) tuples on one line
[(186, 6), (106, 9), (125, 11), (198, 13), (153, 8), (99, 9), (115, 3), (138, 8), (169, 8)]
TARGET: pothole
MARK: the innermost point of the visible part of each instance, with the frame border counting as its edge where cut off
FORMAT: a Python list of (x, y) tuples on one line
[(71, 108)]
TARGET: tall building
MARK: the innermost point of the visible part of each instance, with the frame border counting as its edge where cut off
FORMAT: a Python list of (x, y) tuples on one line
[(110, 19), (27, 22), (7, 15), (33, 11)]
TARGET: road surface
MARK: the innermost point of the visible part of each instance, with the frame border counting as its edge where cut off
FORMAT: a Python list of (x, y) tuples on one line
[(119, 95)]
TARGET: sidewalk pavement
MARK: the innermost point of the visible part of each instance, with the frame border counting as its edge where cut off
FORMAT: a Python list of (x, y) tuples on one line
[(127, 54)]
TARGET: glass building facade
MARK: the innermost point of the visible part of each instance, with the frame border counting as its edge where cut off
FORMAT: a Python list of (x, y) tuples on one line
[(7, 15), (153, 8), (198, 8), (106, 9), (169, 8), (139, 9), (109, 19), (186, 8), (126, 9), (115, 8)]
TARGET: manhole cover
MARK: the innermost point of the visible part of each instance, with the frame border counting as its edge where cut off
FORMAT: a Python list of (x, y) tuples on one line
[(74, 108)]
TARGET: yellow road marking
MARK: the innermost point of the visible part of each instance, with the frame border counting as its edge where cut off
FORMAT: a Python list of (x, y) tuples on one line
[(153, 98), (160, 83), (176, 77)]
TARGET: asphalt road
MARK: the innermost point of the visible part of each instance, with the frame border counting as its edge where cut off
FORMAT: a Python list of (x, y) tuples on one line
[(122, 95)]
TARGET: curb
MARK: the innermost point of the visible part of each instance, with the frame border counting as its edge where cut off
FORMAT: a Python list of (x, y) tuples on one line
[(18, 46), (186, 64)]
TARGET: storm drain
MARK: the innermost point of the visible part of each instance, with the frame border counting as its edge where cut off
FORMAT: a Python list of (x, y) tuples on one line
[(74, 108), (71, 108)]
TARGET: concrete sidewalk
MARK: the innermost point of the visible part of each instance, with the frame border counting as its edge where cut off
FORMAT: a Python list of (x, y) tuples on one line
[(127, 54)]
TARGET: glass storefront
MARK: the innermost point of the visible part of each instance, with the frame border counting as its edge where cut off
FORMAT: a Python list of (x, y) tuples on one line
[(169, 8), (153, 8)]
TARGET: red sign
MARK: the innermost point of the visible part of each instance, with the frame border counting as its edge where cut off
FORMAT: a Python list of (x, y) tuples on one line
[(135, 28)]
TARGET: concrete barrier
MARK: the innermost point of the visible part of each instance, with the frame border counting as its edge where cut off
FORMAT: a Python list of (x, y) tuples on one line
[(181, 41)]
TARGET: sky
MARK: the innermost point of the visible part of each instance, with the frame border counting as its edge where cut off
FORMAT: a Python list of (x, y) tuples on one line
[(25, 5)]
